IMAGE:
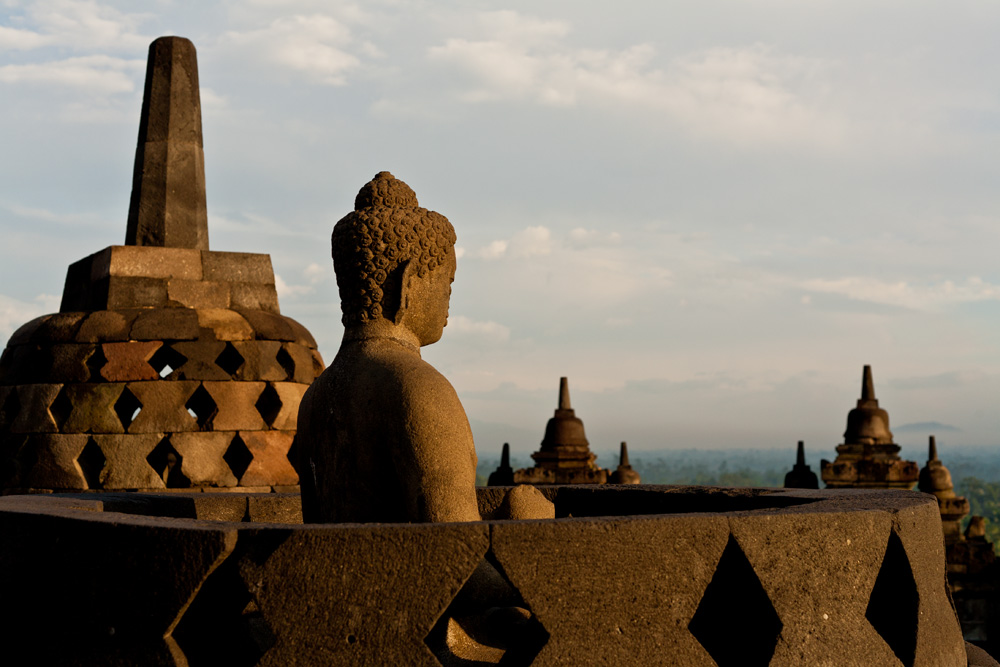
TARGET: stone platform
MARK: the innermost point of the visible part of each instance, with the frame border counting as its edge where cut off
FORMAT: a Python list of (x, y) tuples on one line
[(625, 575)]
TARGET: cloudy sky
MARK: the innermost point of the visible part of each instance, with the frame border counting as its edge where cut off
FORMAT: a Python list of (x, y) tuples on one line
[(708, 214)]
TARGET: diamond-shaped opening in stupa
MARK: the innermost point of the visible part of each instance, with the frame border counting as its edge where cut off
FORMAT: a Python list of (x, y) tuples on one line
[(91, 461), (165, 460), (202, 407), (95, 364), (166, 360), (127, 407), (894, 605), (238, 457), (61, 408), (476, 631), (230, 360), (269, 404), (286, 362), (222, 625), (735, 620)]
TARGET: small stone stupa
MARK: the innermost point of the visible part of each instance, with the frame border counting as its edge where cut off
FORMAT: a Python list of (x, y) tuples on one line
[(504, 474), (801, 475), (868, 458), (564, 456), (168, 365), (935, 479), (624, 474)]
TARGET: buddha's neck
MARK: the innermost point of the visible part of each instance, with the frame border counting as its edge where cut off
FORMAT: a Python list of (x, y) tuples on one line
[(382, 330)]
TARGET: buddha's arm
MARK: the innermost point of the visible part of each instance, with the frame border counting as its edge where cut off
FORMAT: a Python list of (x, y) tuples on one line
[(444, 456)]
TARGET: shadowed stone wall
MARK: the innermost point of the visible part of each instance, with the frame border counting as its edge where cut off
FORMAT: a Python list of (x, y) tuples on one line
[(734, 577)]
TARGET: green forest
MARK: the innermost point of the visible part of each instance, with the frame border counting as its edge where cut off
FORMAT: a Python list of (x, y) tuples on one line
[(975, 472)]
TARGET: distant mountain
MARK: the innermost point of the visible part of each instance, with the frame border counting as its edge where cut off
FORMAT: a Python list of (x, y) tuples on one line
[(926, 427)]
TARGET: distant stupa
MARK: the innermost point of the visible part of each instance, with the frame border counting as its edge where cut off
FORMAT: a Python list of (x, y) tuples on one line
[(801, 475), (564, 456), (868, 458), (624, 474)]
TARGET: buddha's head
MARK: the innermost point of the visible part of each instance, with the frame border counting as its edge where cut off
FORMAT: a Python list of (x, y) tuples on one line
[(394, 260)]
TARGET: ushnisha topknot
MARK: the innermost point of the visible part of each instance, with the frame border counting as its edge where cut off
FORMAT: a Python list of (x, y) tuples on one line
[(386, 229)]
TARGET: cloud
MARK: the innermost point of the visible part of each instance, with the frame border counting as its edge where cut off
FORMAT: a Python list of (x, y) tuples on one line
[(319, 47), (586, 238), (529, 242), (487, 332), (74, 24), (313, 274), (747, 95), (96, 75), (904, 294)]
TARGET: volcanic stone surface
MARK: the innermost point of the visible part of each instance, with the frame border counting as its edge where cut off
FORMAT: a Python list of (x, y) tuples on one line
[(624, 575)]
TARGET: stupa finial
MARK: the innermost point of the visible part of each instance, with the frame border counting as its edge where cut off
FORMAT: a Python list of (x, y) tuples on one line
[(867, 386), (623, 456), (168, 182), (800, 454), (505, 456), (932, 449), (564, 394)]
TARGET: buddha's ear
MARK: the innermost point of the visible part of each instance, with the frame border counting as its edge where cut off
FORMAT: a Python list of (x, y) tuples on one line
[(407, 272)]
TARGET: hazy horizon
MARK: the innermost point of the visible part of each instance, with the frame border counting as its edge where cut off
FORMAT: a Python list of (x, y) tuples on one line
[(709, 216)]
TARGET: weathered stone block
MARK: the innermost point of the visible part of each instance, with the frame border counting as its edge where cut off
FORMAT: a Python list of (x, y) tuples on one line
[(413, 571), (92, 408), (121, 585), (63, 363), (200, 364), (260, 360), (26, 332), (268, 326), (238, 267), (226, 325), (106, 325), (52, 463), (163, 408), (19, 363), (34, 415), (577, 561), (270, 463), (819, 570), (127, 467), (202, 458), (302, 335), (290, 394), (198, 293), (236, 405), (302, 358), (150, 262), (251, 296), (272, 508), (135, 293), (127, 362), (59, 328), (166, 324)]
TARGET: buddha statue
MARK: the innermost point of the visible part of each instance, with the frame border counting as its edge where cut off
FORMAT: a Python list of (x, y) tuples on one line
[(383, 436)]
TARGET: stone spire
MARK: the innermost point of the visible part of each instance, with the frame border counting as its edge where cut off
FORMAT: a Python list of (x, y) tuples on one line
[(168, 365), (624, 474), (868, 458), (504, 474), (564, 456), (936, 480), (801, 475), (168, 183)]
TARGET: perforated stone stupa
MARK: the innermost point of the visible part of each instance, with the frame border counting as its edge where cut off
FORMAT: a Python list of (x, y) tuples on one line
[(868, 458), (168, 365)]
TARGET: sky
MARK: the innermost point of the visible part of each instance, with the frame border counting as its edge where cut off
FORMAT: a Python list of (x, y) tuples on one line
[(708, 214)]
